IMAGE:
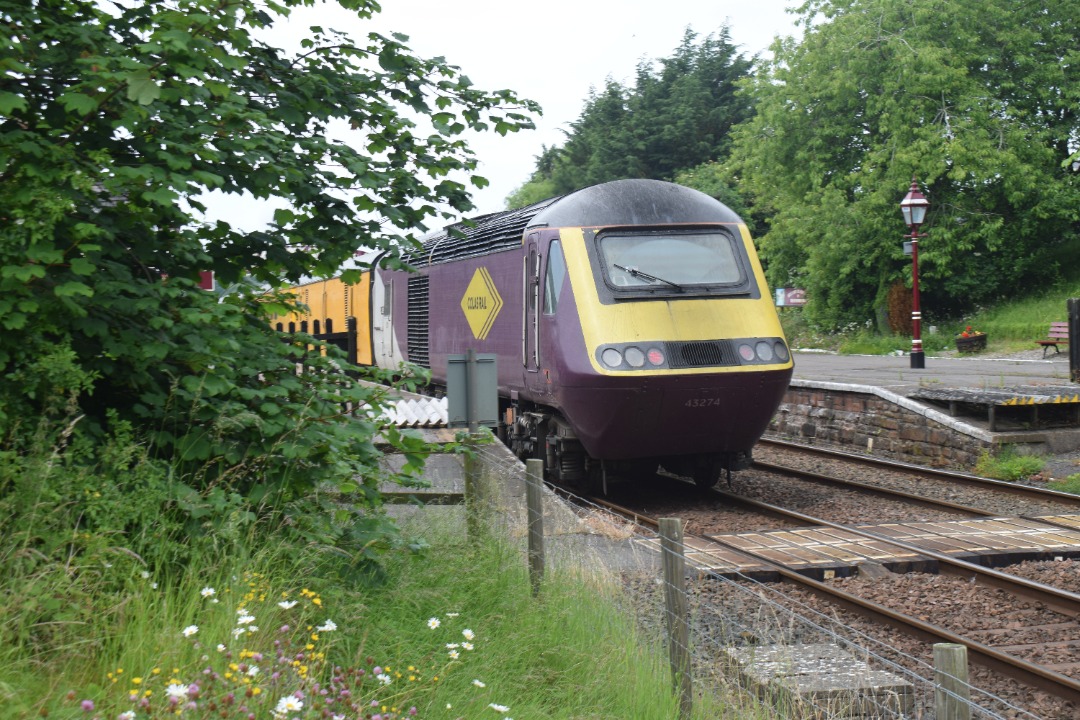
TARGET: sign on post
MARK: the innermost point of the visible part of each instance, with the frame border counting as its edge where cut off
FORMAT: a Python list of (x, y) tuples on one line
[(790, 297), (472, 395)]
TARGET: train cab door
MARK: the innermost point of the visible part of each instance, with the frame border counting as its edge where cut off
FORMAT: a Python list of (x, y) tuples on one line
[(530, 327), (383, 337)]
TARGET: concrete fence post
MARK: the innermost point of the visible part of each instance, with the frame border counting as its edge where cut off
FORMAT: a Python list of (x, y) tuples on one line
[(474, 498), (952, 692), (534, 499), (678, 626)]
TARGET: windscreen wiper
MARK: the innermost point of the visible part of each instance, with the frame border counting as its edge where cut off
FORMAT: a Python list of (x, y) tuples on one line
[(634, 272)]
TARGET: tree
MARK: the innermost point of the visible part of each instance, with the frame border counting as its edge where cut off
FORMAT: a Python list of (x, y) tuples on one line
[(115, 119), (677, 116), (976, 99)]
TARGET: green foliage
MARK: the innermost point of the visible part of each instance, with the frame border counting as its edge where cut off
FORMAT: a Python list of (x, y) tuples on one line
[(118, 120), (1026, 318), (529, 653), (976, 99), (677, 115), (1009, 465), (714, 180), (69, 510), (531, 192), (1070, 484)]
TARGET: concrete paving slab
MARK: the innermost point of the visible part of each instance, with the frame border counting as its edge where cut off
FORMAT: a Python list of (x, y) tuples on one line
[(820, 680)]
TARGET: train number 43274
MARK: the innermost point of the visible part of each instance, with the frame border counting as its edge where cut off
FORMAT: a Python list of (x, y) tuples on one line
[(702, 402)]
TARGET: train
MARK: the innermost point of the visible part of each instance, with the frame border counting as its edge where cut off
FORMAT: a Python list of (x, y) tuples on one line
[(634, 334)]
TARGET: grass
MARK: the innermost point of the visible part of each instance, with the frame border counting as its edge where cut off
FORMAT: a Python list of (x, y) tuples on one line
[(454, 631), (1070, 484)]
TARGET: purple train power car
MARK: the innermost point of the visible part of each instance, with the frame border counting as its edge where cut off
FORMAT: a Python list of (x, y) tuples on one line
[(631, 323)]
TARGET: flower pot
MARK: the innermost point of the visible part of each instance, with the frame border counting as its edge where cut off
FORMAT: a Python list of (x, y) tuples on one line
[(971, 343)]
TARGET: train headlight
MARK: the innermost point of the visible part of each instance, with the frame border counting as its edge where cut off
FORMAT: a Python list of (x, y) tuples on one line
[(634, 356), (781, 351), (656, 356), (612, 357), (746, 352), (764, 351)]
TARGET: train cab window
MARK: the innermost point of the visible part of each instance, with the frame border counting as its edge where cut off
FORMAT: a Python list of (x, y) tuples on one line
[(678, 262), (553, 279)]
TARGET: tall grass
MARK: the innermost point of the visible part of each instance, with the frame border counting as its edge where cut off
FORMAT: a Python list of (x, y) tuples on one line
[(453, 631)]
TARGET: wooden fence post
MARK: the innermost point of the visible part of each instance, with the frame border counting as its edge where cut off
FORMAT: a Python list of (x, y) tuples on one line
[(952, 693), (534, 498), (678, 626)]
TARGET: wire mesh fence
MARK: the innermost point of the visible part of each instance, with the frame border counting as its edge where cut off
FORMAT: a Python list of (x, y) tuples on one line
[(759, 644)]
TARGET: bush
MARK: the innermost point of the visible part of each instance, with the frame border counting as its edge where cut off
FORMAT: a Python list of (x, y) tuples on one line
[(1008, 465)]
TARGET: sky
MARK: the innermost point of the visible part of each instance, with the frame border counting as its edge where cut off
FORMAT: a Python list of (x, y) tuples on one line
[(552, 52)]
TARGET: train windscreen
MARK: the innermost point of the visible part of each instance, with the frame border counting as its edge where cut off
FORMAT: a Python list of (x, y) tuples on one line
[(680, 262)]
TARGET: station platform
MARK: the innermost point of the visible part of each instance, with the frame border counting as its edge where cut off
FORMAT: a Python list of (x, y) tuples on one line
[(894, 372), (947, 414)]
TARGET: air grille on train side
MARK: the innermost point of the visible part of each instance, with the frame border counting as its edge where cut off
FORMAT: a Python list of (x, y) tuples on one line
[(481, 235), (701, 353), (418, 321)]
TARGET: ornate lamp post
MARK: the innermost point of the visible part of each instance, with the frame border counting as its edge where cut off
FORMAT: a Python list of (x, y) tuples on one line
[(914, 207)]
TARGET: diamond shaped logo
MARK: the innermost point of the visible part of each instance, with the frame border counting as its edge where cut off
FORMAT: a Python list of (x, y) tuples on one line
[(481, 303)]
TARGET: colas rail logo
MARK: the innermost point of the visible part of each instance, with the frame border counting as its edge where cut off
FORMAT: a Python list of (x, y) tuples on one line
[(481, 303)]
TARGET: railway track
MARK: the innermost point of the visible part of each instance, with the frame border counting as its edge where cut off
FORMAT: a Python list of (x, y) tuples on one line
[(1067, 502), (1006, 661), (948, 478)]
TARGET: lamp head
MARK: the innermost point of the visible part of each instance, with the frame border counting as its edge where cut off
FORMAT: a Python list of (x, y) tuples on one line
[(914, 205)]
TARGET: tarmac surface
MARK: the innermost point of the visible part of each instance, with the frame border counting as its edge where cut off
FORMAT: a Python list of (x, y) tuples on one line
[(894, 372)]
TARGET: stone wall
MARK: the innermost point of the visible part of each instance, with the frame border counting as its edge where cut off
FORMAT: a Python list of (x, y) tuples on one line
[(875, 422)]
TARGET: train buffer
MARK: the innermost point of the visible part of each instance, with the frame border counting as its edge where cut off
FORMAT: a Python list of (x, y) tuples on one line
[(1017, 408)]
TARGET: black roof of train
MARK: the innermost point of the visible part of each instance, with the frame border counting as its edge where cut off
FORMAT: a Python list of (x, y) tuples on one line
[(620, 202)]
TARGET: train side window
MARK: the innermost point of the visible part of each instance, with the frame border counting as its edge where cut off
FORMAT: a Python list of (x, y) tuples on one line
[(387, 295), (553, 279)]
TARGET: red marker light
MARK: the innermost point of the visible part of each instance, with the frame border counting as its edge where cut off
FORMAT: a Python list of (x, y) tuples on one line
[(656, 357)]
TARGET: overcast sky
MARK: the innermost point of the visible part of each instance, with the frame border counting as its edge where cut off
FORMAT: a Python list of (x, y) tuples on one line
[(551, 52)]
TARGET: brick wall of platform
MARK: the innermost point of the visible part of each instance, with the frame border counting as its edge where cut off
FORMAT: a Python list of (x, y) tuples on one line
[(866, 423)]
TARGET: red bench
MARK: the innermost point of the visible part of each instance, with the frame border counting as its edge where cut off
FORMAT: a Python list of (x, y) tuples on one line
[(1059, 334)]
